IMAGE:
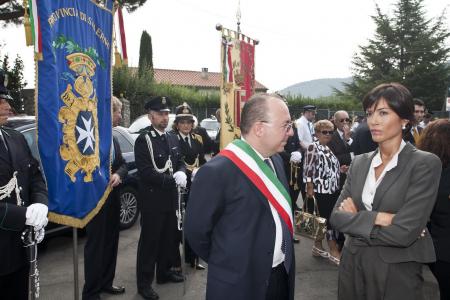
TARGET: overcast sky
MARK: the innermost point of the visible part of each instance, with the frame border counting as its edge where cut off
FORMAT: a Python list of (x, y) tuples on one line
[(300, 40)]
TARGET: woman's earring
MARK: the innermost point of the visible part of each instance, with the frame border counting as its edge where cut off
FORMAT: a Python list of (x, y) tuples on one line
[(403, 126)]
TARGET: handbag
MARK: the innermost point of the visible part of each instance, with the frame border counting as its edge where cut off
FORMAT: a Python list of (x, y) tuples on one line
[(310, 224)]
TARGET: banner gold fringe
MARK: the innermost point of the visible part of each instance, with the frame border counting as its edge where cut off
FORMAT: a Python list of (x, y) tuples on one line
[(79, 223)]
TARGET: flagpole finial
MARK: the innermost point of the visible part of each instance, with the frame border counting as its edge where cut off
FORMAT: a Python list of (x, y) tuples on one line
[(238, 17)]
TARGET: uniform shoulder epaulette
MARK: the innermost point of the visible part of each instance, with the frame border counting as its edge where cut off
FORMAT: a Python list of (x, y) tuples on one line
[(10, 130), (198, 137), (144, 130)]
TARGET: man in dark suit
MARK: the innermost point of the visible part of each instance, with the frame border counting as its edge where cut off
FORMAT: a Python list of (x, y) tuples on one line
[(292, 158), (413, 135), (362, 140), (18, 170), (100, 250), (341, 141), (239, 217), (340, 145), (161, 170)]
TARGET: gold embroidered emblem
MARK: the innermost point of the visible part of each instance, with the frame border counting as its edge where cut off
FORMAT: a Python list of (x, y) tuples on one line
[(79, 117)]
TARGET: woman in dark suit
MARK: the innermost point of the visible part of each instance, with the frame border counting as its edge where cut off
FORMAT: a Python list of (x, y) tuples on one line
[(436, 139), (385, 205)]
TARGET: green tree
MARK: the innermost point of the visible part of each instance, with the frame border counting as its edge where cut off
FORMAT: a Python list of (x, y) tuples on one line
[(16, 81), (136, 89), (406, 48), (145, 54)]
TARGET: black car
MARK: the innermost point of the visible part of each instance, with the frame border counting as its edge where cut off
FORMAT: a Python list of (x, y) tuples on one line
[(129, 188)]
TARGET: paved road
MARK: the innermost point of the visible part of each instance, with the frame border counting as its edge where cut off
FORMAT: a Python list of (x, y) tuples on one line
[(316, 278)]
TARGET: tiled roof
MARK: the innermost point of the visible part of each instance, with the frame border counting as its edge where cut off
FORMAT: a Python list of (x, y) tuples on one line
[(192, 78)]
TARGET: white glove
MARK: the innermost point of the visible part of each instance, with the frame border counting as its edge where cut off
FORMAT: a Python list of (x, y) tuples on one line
[(36, 215), (296, 157), (180, 178)]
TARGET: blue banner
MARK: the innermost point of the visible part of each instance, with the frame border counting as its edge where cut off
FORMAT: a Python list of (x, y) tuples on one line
[(74, 106)]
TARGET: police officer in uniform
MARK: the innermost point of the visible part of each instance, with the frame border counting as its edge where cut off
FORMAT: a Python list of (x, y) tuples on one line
[(161, 170), (192, 149), (23, 201)]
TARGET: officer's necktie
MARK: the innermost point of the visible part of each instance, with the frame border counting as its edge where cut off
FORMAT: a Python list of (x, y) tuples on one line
[(186, 139), (3, 149), (286, 240)]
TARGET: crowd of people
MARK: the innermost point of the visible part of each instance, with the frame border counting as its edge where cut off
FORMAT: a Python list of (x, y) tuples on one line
[(376, 183)]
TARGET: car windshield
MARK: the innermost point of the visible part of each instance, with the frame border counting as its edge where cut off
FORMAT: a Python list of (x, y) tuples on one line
[(210, 124)]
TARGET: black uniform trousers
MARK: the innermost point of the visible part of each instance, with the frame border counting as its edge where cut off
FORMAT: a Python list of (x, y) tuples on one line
[(101, 247), (155, 242), (190, 256), (14, 286)]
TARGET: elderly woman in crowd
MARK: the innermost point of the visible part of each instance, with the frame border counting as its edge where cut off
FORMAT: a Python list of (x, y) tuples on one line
[(385, 205), (321, 174), (436, 139)]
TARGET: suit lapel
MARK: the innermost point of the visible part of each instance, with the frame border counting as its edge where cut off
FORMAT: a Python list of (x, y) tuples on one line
[(361, 180), (12, 148), (391, 176)]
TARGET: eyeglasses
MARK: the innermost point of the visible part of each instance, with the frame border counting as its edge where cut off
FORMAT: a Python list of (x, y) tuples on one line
[(287, 127), (345, 120), (327, 132)]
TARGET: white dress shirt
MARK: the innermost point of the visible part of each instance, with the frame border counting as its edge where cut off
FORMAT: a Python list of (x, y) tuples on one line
[(305, 130), (278, 255), (371, 184)]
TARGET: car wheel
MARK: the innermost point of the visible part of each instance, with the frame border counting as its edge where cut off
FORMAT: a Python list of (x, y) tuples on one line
[(128, 207)]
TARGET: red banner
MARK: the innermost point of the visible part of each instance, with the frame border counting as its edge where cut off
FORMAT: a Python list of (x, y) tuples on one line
[(247, 70)]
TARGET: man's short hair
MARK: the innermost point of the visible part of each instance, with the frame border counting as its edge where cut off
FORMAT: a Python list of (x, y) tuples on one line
[(117, 104), (418, 102), (255, 110)]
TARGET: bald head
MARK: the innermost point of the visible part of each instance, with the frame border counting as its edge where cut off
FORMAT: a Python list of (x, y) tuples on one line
[(341, 119), (266, 123)]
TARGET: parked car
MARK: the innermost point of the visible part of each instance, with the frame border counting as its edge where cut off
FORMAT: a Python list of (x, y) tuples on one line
[(143, 121), (212, 127), (129, 189)]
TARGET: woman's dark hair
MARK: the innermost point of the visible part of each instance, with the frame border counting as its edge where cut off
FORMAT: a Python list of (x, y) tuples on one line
[(435, 138), (397, 97)]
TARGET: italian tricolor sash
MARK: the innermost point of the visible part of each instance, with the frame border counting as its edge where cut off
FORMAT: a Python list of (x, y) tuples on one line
[(246, 159)]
